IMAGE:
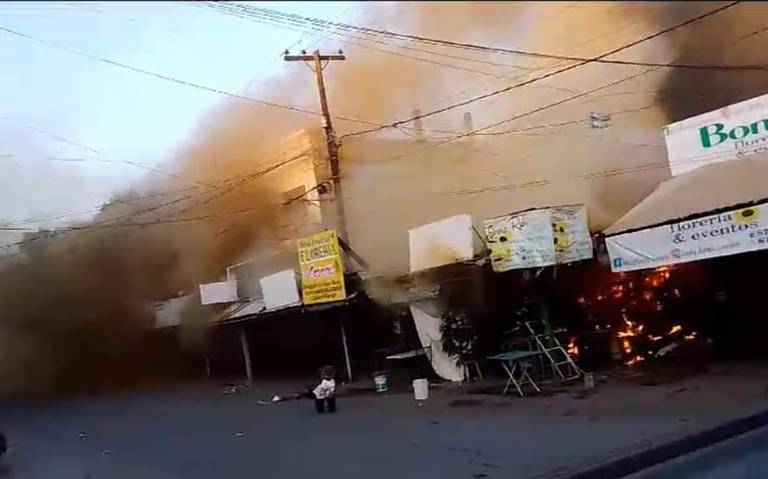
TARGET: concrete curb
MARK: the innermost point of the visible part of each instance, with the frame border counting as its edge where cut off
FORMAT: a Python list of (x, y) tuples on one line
[(634, 462)]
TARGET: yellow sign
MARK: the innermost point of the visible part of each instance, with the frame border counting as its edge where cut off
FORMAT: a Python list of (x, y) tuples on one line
[(322, 271)]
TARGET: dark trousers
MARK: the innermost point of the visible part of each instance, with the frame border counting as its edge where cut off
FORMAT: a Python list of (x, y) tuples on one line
[(320, 404)]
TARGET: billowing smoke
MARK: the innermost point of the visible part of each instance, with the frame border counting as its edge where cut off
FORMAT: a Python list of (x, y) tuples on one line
[(75, 306), (732, 37)]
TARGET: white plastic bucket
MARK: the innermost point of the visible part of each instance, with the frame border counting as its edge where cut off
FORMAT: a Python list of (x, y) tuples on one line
[(380, 381), (420, 389), (589, 380)]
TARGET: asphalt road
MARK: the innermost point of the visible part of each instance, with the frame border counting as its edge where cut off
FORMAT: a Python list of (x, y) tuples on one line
[(205, 434), (198, 433), (743, 457)]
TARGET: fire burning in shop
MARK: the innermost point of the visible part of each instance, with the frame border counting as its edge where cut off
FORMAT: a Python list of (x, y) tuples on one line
[(641, 314)]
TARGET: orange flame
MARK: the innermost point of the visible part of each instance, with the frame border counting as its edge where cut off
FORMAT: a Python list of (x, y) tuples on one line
[(573, 348), (635, 360)]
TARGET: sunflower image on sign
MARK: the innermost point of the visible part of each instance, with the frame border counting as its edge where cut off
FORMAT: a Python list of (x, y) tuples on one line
[(561, 238), (747, 215), (501, 253)]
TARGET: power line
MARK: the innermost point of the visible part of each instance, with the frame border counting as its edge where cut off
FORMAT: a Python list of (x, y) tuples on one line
[(491, 49), (278, 18), (254, 18), (243, 12), (244, 179), (102, 153), (545, 182), (705, 158), (522, 115), (314, 31), (177, 80), (547, 75)]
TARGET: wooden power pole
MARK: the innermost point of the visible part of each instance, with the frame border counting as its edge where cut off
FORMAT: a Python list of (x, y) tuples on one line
[(317, 63)]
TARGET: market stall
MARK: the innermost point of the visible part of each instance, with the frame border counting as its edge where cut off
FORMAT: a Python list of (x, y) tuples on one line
[(717, 213)]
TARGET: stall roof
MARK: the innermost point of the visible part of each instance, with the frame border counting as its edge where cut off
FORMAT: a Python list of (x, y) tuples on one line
[(723, 185), (255, 309)]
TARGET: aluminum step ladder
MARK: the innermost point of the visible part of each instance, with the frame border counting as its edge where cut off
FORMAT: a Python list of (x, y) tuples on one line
[(562, 364)]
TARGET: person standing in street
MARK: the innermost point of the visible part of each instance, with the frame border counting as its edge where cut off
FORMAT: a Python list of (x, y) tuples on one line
[(325, 392)]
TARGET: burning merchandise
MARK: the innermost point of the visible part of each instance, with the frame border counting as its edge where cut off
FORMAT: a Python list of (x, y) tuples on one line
[(645, 317)]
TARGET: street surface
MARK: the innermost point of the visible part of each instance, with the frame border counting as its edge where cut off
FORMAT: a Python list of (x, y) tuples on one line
[(743, 457), (199, 432)]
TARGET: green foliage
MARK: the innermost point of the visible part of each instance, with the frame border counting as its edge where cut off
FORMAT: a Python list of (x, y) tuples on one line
[(459, 336)]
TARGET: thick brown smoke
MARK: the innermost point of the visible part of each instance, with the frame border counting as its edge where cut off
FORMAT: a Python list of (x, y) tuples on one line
[(733, 37), (75, 308)]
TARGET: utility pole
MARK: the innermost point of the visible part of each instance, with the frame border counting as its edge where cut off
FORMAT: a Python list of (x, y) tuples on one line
[(317, 63)]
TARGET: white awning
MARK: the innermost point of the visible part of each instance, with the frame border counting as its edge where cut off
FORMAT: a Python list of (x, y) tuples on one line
[(709, 188), (716, 210)]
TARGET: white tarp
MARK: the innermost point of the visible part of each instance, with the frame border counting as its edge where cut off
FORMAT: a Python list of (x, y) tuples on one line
[(436, 244), (221, 292), (427, 317), (728, 133), (735, 231), (280, 289), (520, 240), (442, 242), (571, 233)]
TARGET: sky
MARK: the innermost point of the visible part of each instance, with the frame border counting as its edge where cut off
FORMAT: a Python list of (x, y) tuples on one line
[(68, 124)]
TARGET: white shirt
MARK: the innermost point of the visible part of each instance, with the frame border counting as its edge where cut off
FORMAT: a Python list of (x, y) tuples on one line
[(325, 389)]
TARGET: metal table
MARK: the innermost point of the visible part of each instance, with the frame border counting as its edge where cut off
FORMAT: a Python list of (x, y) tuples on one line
[(414, 353), (516, 365)]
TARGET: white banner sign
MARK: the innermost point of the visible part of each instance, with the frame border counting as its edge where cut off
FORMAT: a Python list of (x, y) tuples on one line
[(540, 237), (729, 133), (723, 234), (221, 292), (521, 240), (571, 233)]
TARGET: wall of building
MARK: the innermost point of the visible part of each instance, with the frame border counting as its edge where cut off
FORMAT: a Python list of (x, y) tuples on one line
[(391, 186)]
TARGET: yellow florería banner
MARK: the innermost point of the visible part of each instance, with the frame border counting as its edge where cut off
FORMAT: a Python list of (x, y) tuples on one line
[(322, 270)]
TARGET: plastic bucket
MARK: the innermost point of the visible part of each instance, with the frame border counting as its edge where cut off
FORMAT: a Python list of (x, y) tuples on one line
[(589, 380), (380, 382), (420, 389)]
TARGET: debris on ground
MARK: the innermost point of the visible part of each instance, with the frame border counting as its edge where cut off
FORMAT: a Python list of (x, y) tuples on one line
[(233, 389), (106, 452), (239, 434), (82, 435), (276, 398)]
